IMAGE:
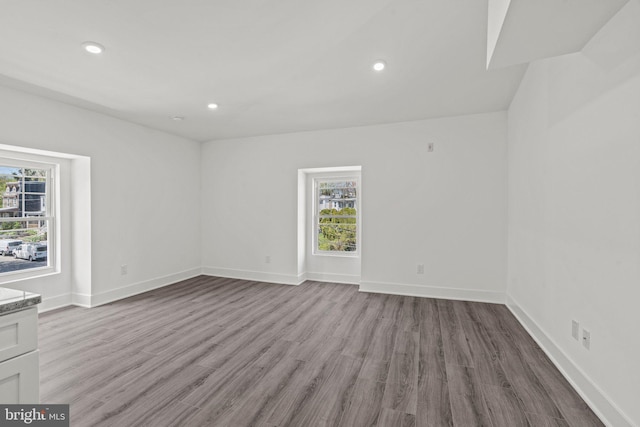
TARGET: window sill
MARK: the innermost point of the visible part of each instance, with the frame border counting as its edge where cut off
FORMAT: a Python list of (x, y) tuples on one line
[(20, 275), (337, 254)]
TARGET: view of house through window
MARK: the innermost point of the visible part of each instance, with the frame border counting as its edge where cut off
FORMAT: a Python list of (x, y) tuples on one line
[(336, 215), (25, 220)]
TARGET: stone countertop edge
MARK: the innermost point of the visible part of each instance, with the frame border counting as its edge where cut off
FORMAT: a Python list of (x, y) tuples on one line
[(20, 301)]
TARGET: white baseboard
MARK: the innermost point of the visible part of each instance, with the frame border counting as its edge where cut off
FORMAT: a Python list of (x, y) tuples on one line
[(258, 276), (52, 303), (81, 300), (597, 400), (135, 288), (349, 279), (432, 292), (88, 301)]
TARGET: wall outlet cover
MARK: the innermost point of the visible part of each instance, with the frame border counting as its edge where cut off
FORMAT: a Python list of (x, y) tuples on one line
[(575, 330), (586, 339)]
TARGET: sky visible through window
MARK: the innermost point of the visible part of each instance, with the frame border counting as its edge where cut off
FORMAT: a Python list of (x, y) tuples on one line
[(9, 171)]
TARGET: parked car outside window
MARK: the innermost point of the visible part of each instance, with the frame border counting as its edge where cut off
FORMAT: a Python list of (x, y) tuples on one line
[(31, 251), (7, 246)]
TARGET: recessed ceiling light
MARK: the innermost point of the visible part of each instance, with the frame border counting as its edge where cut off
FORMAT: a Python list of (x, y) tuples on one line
[(212, 106), (93, 47), (178, 118), (379, 65)]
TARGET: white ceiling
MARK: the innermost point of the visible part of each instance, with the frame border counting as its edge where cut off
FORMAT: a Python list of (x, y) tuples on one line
[(526, 30), (274, 66)]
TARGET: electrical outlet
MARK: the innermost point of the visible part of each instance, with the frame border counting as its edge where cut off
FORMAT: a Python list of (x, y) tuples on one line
[(124, 269), (420, 269), (575, 330), (586, 339), (430, 147), (267, 259)]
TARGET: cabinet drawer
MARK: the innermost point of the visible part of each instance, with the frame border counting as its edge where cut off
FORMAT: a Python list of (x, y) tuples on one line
[(18, 333), (19, 379)]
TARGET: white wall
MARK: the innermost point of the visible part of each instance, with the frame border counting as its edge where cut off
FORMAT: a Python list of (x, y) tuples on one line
[(574, 212), (145, 188), (446, 209)]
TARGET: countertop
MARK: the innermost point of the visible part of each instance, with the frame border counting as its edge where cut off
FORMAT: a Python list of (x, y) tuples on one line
[(13, 300)]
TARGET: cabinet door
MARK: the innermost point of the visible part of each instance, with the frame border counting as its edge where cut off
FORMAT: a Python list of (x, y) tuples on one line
[(19, 379), (18, 333)]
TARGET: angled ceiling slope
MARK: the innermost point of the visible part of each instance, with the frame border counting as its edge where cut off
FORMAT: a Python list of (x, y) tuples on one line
[(521, 31), (273, 66)]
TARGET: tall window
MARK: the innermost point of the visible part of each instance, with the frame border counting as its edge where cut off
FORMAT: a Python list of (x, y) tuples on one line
[(26, 216), (336, 215)]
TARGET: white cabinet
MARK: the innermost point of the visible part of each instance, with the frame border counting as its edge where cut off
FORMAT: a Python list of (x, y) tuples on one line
[(18, 333), (19, 379), (19, 365)]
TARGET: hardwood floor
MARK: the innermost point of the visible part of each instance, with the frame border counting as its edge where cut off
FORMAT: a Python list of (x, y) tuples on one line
[(222, 352)]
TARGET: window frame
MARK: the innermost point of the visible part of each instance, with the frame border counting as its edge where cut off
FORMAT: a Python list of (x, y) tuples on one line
[(51, 216), (334, 177)]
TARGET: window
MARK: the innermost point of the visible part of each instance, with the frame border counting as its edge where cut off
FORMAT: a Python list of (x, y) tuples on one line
[(26, 215), (336, 216)]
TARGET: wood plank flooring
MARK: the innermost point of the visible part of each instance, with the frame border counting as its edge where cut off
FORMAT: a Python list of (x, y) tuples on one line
[(222, 352)]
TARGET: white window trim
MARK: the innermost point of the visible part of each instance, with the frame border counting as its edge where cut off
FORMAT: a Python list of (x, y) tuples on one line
[(338, 177), (53, 216)]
